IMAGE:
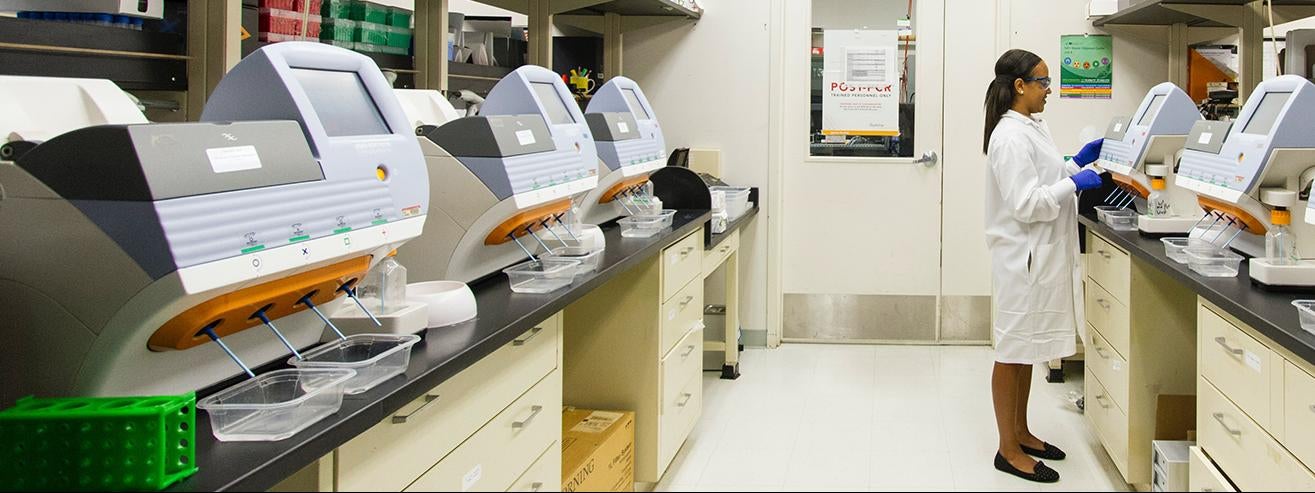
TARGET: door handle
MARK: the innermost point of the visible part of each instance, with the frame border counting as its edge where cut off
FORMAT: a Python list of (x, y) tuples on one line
[(401, 418), (928, 159), (533, 333), (1220, 418), (1231, 350), (534, 413)]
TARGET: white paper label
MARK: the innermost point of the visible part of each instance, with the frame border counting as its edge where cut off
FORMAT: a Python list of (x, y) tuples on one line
[(230, 159), (526, 137), (625, 129), (1118, 127), (1117, 366), (1253, 360), (1205, 138), (471, 478), (597, 422)]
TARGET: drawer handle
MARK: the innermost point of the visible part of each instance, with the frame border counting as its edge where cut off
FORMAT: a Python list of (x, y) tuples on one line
[(1104, 253), (536, 487), (534, 413), (1100, 399), (1100, 351), (684, 399), (1220, 418), (401, 418), (684, 252), (1312, 409), (724, 249), (690, 350), (533, 333), (1231, 350), (685, 302), (1103, 304)]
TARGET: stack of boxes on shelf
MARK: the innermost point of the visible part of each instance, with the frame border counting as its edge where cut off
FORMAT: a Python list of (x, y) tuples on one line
[(352, 24), (367, 27)]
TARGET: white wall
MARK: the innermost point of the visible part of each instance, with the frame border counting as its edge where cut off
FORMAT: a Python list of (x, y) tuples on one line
[(708, 82)]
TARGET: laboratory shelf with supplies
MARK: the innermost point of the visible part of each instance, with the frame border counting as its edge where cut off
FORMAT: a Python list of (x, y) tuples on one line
[(444, 353), (1170, 12)]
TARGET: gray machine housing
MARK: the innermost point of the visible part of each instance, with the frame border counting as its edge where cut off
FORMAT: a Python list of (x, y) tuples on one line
[(629, 139)]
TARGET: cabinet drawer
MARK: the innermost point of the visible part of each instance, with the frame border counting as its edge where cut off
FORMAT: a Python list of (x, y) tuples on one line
[(1110, 267), (680, 314), (545, 474), (503, 449), (712, 259), (1110, 422), (1243, 450), (1110, 368), (1299, 412), (1202, 475), (1110, 316), (1238, 365), (399, 449), (681, 263), (679, 415), (684, 361)]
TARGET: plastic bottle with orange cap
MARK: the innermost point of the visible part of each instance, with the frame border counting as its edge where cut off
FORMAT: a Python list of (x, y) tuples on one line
[(1280, 244)]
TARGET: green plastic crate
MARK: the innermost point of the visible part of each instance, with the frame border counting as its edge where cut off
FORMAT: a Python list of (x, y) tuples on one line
[(399, 37), (375, 34), (338, 30), (369, 12), (336, 9), (399, 17), (98, 443)]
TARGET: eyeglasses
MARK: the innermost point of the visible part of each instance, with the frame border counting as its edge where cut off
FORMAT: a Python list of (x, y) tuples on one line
[(1045, 81)]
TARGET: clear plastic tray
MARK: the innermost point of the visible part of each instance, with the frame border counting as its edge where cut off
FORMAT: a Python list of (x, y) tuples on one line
[(1121, 220), (375, 357), (1209, 261), (737, 200), (589, 259), (1102, 210), (1174, 247), (1306, 310), (276, 405), (542, 276), (643, 226)]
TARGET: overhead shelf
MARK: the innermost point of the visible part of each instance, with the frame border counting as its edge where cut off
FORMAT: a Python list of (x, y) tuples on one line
[(650, 8), (1170, 12)]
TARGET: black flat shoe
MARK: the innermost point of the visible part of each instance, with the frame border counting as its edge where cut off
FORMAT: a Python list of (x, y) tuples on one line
[(1040, 474), (1050, 452)]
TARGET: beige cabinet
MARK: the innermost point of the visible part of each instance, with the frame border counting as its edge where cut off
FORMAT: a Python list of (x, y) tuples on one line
[(1135, 313), (1203, 476), (464, 433), (636, 344)]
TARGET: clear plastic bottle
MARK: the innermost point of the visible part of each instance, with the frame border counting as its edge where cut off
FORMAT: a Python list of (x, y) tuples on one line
[(384, 288), (1280, 244), (1158, 205)]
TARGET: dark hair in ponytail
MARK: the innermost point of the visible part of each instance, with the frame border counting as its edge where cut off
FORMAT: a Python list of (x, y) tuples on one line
[(1013, 65)]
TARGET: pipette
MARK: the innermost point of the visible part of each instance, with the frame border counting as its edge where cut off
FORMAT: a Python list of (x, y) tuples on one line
[(1231, 222), (215, 337), (540, 240), (306, 301), (268, 323), (351, 293), (551, 231), (523, 249), (1235, 235)]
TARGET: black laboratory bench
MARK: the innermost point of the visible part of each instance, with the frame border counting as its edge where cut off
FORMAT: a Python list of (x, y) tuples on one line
[(1268, 312), (442, 354)]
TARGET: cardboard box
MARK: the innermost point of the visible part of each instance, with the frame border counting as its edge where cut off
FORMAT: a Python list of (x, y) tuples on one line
[(1175, 417), (598, 450)]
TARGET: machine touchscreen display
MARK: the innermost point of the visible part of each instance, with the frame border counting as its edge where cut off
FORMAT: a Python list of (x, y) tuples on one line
[(340, 99)]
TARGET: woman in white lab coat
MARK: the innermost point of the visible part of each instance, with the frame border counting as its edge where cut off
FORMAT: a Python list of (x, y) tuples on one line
[(1032, 233)]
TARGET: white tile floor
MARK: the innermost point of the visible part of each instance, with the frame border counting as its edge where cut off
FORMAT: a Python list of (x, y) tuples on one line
[(873, 418)]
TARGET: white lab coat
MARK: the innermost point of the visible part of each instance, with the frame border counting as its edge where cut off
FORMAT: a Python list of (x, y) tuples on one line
[(1032, 233)]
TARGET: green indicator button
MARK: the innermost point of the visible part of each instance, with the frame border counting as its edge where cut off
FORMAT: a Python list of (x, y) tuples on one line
[(342, 230), (296, 239), (256, 248), (379, 221)]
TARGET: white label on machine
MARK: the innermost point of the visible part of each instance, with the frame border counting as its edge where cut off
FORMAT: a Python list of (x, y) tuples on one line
[(471, 478), (230, 159), (625, 129), (1253, 360), (597, 422), (526, 137), (1118, 127), (1205, 138)]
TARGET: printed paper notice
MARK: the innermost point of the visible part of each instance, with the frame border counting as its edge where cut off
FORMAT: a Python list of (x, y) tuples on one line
[(472, 477), (861, 83), (230, 159), (525, 137), (1253, 360), (1087, 68), (1205, 138), (597, 422), (625, 129)]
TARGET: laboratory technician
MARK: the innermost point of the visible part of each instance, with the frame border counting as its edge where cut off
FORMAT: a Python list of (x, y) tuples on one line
[(1032, 233)]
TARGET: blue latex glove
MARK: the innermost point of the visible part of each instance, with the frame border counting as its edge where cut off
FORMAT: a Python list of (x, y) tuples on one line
[(1089, 153), (1086, 180)]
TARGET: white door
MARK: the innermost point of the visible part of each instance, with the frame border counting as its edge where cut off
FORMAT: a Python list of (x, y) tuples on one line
[(862, 214)]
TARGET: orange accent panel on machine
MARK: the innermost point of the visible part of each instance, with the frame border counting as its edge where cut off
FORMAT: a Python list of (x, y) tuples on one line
[(233, 312), (526, 220), (1253, 225), (622, 186), (1130, 184)]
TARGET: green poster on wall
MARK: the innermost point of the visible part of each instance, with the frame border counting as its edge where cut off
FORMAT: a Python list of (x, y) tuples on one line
[(1087, 66)]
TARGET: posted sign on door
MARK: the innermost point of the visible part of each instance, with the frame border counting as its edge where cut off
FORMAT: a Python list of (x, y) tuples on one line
[(860, 83)]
